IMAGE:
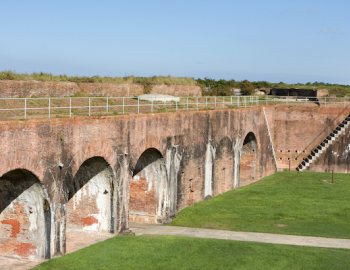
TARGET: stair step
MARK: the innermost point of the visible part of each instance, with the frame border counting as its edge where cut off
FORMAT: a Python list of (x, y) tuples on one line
[(316, 152)]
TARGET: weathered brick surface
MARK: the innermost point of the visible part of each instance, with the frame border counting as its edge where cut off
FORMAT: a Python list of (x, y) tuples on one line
[(91, 197), (336, 158), (9, 88), (143, 202), (80, 212), (55, 149), (14, 226), (22, 219), (223, 167), (296, 130), (248, 160)]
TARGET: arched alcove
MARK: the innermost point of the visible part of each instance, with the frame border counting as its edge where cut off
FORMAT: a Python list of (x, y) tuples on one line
[(149, 199), (248, 160), (91, 204), (25, 216)]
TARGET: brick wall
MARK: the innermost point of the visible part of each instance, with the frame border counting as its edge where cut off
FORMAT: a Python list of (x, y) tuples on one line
[(55, 151), (296, 130), (9, 88)]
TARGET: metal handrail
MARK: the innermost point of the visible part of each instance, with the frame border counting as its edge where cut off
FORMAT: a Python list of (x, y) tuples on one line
[(125, 103), (326, 129)]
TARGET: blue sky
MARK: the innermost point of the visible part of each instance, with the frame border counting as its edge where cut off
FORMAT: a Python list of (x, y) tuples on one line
[(274, 40)]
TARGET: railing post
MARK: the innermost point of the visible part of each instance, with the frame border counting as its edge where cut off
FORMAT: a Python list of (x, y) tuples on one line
[(238, 101), (197, 104), (107, 109), (70, 107), (206, 102), (215, 102), (152, 106), (138, 105), (231, 100), (223, 101), (49, 108), (186, 103), (89, 106), (25, 108), (176, 105), (123, 105)]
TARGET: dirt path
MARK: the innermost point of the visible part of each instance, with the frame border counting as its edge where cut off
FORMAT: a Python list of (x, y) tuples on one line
[(294, 240)]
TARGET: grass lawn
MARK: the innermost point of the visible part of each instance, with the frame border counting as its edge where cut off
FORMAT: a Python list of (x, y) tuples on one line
[(286, 203), (165, 252)]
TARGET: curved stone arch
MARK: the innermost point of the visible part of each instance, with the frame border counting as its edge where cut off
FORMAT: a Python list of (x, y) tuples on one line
[(25, 215), (223, 166), (149, 195), (245, 136), (147, 157), (33, 167), (248, 159), (92, 199), (138, 152), (78, 159)]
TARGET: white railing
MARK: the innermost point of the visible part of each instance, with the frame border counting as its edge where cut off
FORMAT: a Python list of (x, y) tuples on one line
[(53, 107)]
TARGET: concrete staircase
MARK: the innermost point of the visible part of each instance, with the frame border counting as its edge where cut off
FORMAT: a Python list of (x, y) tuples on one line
[(316, 152)]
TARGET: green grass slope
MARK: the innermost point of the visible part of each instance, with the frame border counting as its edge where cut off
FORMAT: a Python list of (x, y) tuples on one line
[(159, 252), (285, 203)]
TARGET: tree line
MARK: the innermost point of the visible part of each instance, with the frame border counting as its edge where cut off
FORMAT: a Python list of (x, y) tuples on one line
[(209, 86), (225, 87)]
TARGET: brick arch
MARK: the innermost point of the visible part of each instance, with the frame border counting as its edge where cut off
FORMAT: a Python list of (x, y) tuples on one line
[(30, 163), (92, 196), (253, 132), (149, 195), (223, 166), (25, 215), (249, 160), (81, 155), (136, 152)]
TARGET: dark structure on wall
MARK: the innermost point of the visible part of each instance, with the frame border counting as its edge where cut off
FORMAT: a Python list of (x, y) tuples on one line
[(294, 92)]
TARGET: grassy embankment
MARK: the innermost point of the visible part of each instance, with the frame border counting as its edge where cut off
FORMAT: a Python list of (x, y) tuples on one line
[(285, 203), (157, 252)]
